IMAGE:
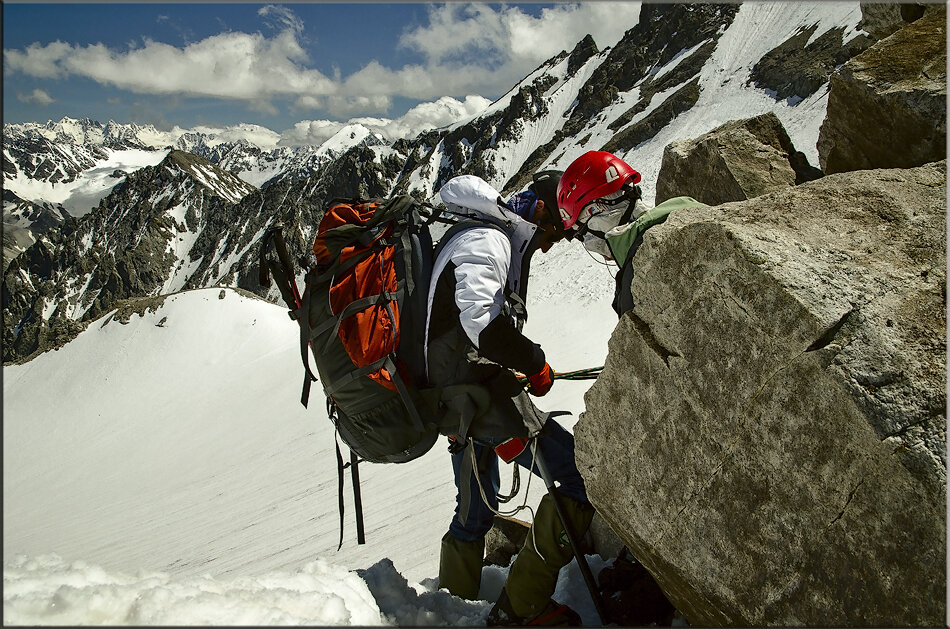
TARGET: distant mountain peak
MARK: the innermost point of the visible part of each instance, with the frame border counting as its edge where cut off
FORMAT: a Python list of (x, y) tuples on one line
[(208, 174)]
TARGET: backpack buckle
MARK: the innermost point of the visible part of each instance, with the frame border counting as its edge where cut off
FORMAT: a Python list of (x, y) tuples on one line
[(456, 444)]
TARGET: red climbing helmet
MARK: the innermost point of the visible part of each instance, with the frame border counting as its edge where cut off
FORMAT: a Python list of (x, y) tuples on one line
[(593, 175)]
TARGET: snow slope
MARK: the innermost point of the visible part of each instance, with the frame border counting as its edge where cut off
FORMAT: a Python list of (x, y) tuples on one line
[(725, 90), (83, 194), (175, 478)]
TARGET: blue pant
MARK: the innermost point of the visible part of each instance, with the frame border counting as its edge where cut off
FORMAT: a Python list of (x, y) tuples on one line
[(556, 445)]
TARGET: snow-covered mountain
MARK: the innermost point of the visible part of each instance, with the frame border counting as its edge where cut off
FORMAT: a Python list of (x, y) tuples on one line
[(175, 445), (24, 222), (679, 72), (88, 132), (76, 163), (287, 163)]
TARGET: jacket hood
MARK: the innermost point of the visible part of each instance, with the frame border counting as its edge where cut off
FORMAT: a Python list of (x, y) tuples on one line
[(470, 194)]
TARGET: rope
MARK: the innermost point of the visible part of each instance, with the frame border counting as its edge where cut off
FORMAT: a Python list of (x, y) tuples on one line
[(600, 262), (515, 486), (524, 505)]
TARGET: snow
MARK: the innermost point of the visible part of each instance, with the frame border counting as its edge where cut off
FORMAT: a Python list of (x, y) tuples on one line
[(83, 194), (181, 245), (176, 479), (725, 95), (348, 136), (255, 134), (230, 188), (659, 72), (535, 133)]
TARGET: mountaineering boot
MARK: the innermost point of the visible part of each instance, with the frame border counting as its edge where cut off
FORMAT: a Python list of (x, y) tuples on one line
[(553, 615), (533, 576), (460, 566)]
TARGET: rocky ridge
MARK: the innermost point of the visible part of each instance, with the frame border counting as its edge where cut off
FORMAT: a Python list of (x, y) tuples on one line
[(783, 459)]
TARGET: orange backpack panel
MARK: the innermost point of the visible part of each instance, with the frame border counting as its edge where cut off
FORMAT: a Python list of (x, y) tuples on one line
[(372, 332)]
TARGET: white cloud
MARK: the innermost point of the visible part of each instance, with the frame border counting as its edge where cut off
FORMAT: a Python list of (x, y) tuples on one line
[(513, 38), (467, 48), (281, 18), (239, 66), (476, 48), (440, 113), (39, 61), (312, 132), (561, 27), (366, 103), (255, 134), (36, 97)]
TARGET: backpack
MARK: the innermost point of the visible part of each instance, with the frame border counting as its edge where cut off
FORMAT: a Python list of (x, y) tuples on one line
[(362, 315)]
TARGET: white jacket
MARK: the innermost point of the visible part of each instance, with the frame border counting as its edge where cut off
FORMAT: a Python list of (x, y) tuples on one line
[(489, 263)]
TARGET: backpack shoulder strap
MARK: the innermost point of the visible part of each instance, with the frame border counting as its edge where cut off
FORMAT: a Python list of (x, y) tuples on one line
[(458, 228)]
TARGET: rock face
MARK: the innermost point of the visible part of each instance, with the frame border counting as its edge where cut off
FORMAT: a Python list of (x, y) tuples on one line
[(25, 221), (769, 433), (799, 66), (887, 107), (504, 540), (880, 20), (734, 162)]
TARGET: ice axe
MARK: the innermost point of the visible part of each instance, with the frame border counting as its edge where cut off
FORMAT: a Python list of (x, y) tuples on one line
[(511, 449), (579, 374)]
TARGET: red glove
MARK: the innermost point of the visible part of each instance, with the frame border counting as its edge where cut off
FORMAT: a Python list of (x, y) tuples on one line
[(540, 383)]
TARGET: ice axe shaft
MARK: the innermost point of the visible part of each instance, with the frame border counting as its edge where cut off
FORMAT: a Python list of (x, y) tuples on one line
[(571, 538)]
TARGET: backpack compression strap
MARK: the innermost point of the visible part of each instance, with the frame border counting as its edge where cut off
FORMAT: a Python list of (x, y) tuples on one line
[(355, 473)]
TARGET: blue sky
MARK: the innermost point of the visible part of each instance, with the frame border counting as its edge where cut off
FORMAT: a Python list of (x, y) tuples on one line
[(282, 66)]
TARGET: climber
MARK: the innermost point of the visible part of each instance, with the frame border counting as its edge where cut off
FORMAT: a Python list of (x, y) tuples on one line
[(601, 204), (473, 335)]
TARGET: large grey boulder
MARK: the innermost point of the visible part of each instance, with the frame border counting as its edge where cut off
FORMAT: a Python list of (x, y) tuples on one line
[(768, 436), (736, 161), (887, 107), (882, 19)]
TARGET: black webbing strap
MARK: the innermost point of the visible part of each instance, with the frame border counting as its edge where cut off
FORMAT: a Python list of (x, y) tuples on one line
[(280, 270), (358, 305), (339, 474), (357, 496), (336, 385), (303, 318), (386, 298), (406, 238), (467, 467), (334, 267), (283, 283), (628, 213), (307, 333), (515, 486), (404, 395), (263, 274)]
